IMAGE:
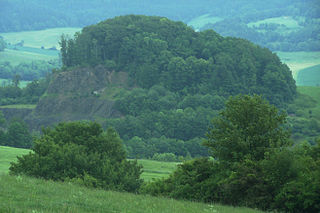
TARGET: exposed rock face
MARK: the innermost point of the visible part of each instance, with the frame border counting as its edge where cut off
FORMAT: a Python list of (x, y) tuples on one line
[(74, 95)]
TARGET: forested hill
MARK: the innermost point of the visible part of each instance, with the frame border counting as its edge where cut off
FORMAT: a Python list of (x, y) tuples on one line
[(157, 51)]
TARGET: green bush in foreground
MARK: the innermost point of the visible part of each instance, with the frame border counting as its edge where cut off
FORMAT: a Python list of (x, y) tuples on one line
[(81, 152), (253, 165)]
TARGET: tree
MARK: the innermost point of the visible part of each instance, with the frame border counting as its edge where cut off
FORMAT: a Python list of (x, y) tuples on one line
[(81, 152), (18, 135), (247, 128)]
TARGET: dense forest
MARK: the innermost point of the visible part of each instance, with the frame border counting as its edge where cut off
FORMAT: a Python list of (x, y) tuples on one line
[(234, 17), (178, 78)]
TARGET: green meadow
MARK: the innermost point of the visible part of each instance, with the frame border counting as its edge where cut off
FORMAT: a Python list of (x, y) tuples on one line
[(309, 76), (24, 194), (46, 38), (308, 101), (290, 23), (298, 61), (16, 57), (201, 21), (9, 154)]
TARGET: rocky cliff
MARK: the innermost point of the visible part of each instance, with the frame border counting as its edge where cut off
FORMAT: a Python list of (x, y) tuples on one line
[(77, 95)]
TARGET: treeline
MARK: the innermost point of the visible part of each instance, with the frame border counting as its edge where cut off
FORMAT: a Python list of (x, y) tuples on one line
[(13, 94), (271, 35), (183, 78), (28, 71), (155, 50), (14, 133), (254, 163)]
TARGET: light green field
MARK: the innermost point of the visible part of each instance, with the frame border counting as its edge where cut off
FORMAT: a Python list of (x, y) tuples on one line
[(4, 82), (310, 101), (288, 21), (46, 38), (156, 169), (19, 106), (309, 76), (16, 57), (24, 194), (201, 21), (298, 61), (9, 154)]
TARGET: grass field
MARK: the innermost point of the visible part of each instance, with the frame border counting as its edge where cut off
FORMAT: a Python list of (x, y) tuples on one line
[(156, 169), (19, 106), (290, 23), (201, 21), (309, 76), (16, 57), (23, 194), (310, 101), (46, 38), (298, 61), (9, 154)]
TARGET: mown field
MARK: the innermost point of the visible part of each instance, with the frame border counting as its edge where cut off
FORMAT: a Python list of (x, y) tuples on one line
[(32, 43), (309, 76), (298, 61), (201, 21), (289, 22), (24, 194), (46, 38)]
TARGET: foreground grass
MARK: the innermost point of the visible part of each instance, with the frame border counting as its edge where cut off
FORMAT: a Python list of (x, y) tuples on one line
[(24, 194)]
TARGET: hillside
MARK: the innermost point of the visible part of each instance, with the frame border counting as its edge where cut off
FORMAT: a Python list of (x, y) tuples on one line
[(157, 82), (35, 195)]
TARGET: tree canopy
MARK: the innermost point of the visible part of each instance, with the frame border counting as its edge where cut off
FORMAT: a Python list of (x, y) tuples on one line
[(81, 152), (155, 50)]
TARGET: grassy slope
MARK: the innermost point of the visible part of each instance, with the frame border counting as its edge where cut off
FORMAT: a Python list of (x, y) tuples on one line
[(22, 194), (9, 154), (309, 101), (46, 38), (298, 61), (309, 76), (16, 57), (201, 21)]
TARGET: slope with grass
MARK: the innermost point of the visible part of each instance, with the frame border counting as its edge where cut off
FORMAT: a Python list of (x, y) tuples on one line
[(9, 154), (23, 194), (309, 76), (298, 61)]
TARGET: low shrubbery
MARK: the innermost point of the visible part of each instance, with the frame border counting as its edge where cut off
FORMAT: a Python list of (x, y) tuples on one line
[(83, 153)]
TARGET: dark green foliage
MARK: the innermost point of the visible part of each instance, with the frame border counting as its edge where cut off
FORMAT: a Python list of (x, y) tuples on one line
[(155, 50), (14, 133), (12, 94), (247, 129), (253, 167), (81, 152), (28, 71)]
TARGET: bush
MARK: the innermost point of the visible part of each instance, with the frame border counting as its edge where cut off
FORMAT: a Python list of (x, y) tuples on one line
[(81, 152)]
